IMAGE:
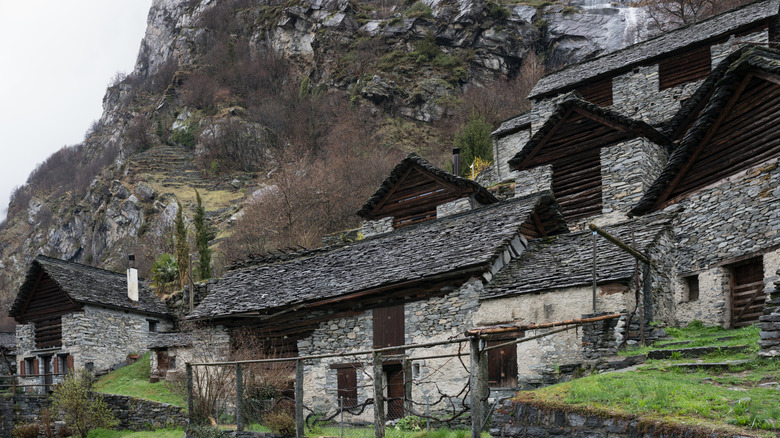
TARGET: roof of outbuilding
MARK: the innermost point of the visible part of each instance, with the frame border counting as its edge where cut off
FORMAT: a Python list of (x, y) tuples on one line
[(630, 126), (398, 172), (169, 340), (449, 245), (754, 58), (615, 62), (566, 260), (88, 285), (509, 126)]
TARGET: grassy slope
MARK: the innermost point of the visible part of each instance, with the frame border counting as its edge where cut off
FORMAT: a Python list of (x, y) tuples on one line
[(133, 380), (161, 433), (660, 392)]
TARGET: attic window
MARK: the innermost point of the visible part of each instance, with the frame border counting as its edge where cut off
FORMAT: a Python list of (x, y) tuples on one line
[(684, 67)]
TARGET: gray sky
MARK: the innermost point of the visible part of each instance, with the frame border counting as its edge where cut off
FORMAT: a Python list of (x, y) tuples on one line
[(56, 60)]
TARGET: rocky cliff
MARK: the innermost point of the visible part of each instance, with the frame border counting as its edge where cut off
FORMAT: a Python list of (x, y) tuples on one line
[(208, 107)]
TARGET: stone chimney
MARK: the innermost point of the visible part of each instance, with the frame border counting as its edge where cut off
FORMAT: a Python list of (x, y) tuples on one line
[(132, 279)]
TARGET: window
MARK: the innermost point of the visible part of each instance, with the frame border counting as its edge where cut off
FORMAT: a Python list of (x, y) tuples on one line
[(152, 325), (692, 288), (346, 376), (30, 366), (64, 364), (502, 364)]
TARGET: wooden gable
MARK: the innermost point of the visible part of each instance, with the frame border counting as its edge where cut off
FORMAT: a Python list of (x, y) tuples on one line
[(46, 300), (415, 196), (745, 134), (689, 66), (598, 92)]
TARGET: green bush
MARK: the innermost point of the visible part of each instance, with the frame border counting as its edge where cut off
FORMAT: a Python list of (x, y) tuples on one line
[(419, 10), (25, 431), (280, 420), (410, 423), (165, 272), (83, 408)]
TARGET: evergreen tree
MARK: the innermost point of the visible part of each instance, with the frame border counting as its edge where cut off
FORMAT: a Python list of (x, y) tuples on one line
[(202, 236), (474, 141), (182, 249)]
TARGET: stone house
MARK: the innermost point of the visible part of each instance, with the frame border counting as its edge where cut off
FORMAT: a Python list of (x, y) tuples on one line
[(680, 125), (71, 315)]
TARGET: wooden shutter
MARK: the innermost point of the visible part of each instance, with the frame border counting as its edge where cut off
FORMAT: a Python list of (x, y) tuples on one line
[(747, 293), (22, 368), (70, 363), (36, 369), (56, 365), (388, 326), (502, 365), (347, 386)]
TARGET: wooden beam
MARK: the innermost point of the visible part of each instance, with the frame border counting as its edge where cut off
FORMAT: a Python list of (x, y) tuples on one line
[(539, 225), (522, 165)]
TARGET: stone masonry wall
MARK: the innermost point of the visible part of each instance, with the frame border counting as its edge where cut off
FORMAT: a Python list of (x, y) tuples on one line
[(455, 207), (504, 149), (379, 226), (515, 419), (769, 336), (533, 180), (719, 52), (635, 95), (104, 337), (627, 170)]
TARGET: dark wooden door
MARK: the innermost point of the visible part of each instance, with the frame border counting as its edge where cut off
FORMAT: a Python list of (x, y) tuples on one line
[(47, 371), (747, 293), (395, 391), (388, 326), (502, 365), (163, 361)]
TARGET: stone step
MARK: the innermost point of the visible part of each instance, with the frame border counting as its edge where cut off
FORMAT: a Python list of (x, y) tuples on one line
[(695, 351), (694, 365)]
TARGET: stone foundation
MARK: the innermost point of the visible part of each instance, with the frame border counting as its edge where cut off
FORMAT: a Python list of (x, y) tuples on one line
[(769, 323)]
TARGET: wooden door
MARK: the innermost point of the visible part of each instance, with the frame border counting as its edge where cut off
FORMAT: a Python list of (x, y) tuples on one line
[(747, 293), (395, 391), (163, 361), (502, 365), (388, 326), (47, 373)]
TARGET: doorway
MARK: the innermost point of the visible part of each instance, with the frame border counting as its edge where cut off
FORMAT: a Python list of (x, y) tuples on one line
[(395, 391)]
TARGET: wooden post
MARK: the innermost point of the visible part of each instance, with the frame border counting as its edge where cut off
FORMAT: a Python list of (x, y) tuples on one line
[(594, 272), (379, 397), (239, 398), (478, 385), (407, 364), (190, 404), (299, 432)]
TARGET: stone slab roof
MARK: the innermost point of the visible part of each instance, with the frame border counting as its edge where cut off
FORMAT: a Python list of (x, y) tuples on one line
[(509, 126), (7, 341), (169, 340), (482, 195), (635, 127), (566, 260), (648, 51), (754, 58), (88, 285), (450, 245)]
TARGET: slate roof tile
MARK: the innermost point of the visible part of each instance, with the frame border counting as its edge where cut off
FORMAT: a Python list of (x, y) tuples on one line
[(88, 285), (459, 242), (566, 260), (169, 340)]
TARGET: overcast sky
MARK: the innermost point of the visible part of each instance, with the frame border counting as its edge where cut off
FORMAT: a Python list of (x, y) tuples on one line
[(56, 60)]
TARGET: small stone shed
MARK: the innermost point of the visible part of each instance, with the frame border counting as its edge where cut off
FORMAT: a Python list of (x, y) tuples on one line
[(71, 315)]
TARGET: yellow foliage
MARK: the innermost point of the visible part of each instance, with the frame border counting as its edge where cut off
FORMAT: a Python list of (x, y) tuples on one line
[(478, 166)]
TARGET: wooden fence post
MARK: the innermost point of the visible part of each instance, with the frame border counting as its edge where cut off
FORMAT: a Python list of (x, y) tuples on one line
[(239, 398), (299, 432), (190, 404), (379, 397), (478, 385)]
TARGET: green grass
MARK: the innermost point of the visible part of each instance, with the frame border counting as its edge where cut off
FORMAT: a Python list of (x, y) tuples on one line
[(133, 380), (677, 395), (160, 433), (368, 432), (698, 335)]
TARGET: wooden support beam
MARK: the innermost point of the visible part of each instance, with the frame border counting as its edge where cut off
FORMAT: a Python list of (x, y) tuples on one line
[(239, 398), (478, 386), (379, 397), (299, 424), (620, 244), (190, 400)]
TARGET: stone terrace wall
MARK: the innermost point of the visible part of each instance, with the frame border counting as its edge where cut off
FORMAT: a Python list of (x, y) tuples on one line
[(769, 323), (519, 420)]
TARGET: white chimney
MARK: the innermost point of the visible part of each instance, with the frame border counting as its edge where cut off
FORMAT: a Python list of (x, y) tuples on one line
[(132, 280)]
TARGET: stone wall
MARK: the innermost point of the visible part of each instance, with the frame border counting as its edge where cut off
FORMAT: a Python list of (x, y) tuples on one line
[(769, 323), (379, 226), (209, 344), (534, 180), (627, 171), (635, 95), (504, 149), (719, 52), (515, 419), (455, 207)]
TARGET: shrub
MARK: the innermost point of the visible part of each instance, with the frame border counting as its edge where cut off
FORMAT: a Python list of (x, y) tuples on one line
[(165, 272), (474, 141), (280, 420), (83, 409), (410, 423), (25, 431), (419, 10)]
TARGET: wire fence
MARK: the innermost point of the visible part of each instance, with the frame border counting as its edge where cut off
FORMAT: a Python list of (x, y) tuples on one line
[(420, 386)]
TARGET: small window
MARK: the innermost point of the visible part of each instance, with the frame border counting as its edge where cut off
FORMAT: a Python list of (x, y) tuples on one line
[(417, 370), (347, 386), (64, 364), (692, 288), (502, 364), (153, 323), (30, 366)]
